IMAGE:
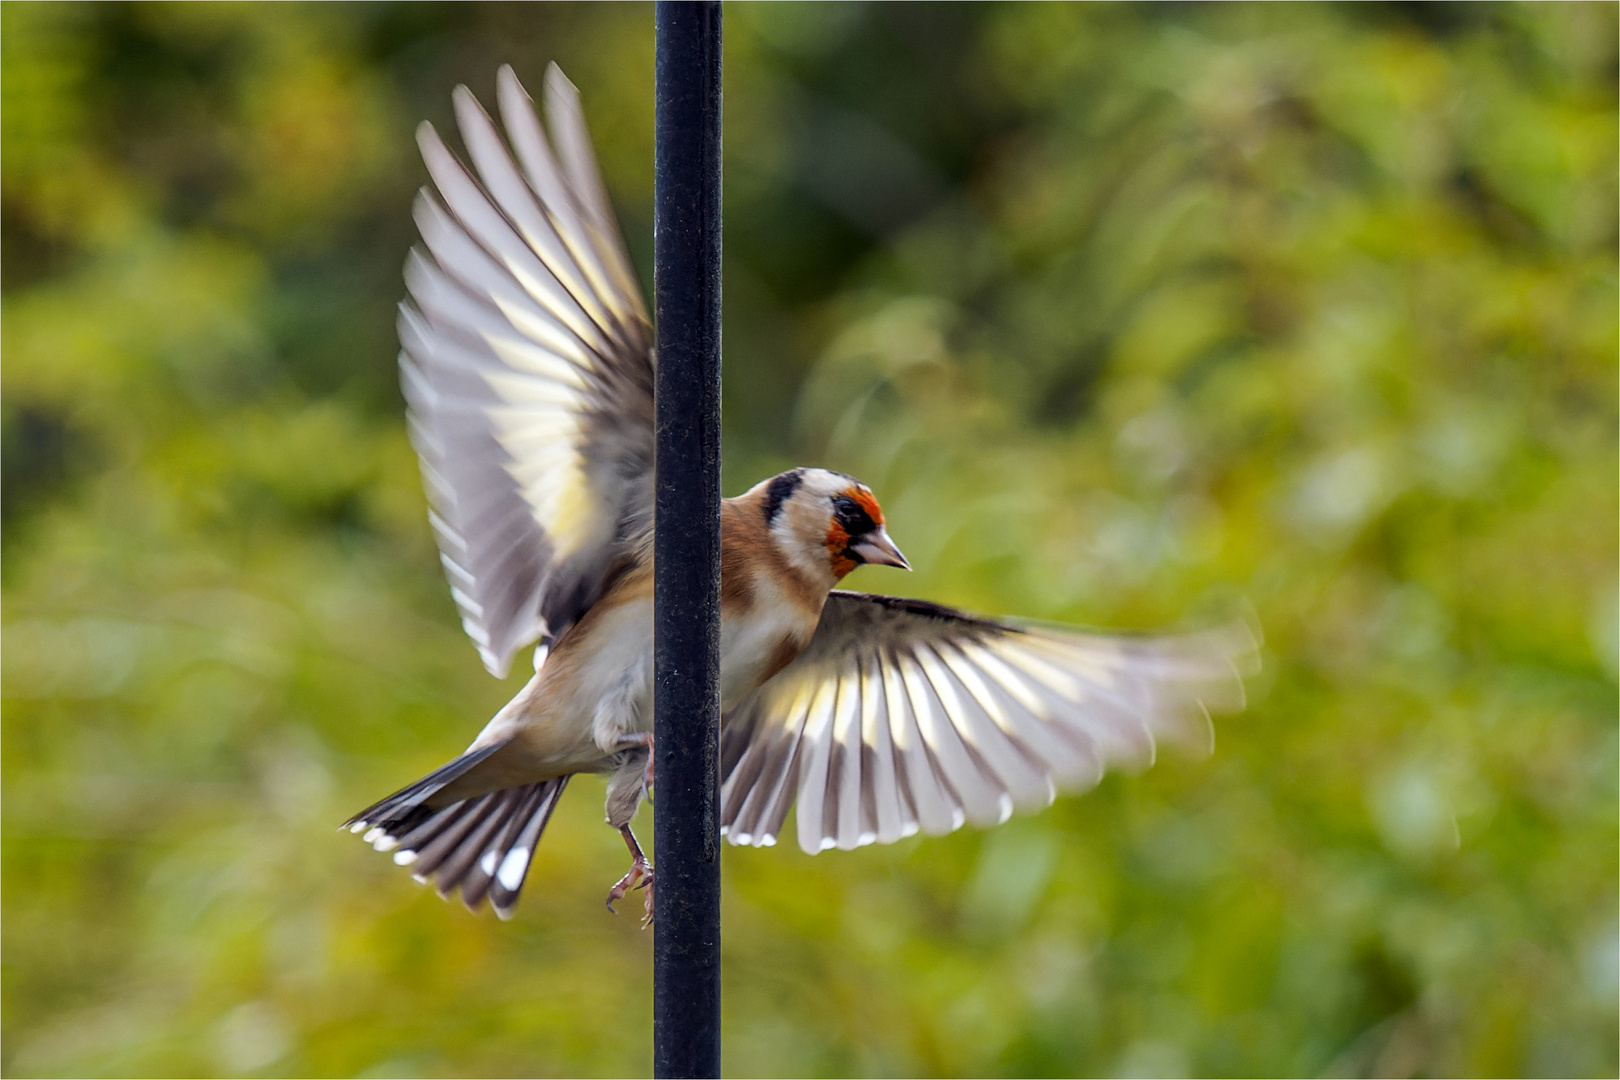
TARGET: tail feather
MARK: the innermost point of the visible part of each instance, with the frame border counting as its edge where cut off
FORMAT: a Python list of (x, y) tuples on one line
[(482, 845), (463, 855), (481, 875), (407, 803), (514, 864), (442, 845), (434, 821)]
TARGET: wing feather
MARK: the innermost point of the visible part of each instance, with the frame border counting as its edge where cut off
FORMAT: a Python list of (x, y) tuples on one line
[(922, 783), (977, 794), (527, 367), (890, 815), (491, 230), (902, 716), (818, 743), (845, 824), (522, 207), (1069, 755), (986, 730), (579, 162)]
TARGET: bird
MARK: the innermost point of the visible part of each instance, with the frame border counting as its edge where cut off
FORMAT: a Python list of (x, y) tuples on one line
[(527, 360)]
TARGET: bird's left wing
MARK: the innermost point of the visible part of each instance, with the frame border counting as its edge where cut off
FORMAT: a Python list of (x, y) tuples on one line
[(902, 715), (528, 368)]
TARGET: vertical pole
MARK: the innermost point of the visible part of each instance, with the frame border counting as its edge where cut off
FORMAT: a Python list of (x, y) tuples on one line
[(686, 592)]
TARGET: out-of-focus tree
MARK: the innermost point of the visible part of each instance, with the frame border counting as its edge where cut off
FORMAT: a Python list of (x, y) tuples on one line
[(1126, 312)]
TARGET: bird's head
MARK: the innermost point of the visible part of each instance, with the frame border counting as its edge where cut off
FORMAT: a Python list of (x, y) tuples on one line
[(827, 523)]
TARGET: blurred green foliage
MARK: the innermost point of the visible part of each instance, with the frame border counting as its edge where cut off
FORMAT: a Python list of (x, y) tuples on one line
[(1124, 311)]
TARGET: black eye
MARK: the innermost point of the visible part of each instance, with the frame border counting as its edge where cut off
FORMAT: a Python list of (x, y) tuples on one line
[(852, 516)]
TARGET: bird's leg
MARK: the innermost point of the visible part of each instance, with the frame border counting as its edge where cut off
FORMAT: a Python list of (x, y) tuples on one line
[(639, 877), (638, 739), (623, 798)]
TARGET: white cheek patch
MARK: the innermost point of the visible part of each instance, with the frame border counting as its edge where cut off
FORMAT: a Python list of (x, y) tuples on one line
[(800, 532)]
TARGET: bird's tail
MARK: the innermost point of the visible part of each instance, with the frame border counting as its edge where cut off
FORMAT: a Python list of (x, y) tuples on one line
[(483, 845)]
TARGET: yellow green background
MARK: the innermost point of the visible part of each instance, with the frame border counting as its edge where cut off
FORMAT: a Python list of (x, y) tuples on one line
[(1127, 313)]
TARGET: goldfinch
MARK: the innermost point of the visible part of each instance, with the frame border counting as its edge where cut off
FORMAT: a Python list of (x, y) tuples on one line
[(527, 366)]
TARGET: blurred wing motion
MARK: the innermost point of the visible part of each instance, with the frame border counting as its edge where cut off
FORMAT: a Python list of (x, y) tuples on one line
[(528, 368), (902, 715)]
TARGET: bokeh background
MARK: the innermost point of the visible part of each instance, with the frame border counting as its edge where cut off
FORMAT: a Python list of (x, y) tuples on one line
[(1128, 313)]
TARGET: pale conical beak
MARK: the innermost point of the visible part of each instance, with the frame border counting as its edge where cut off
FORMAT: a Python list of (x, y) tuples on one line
[(877, 549)]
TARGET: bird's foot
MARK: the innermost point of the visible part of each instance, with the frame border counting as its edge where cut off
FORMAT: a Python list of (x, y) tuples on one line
[(640, 876), (647, 899)]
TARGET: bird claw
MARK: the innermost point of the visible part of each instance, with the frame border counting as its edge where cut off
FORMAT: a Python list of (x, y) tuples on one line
[(640, 876), (647, 901)]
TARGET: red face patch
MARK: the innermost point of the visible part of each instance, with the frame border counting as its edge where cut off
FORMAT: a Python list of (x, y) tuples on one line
[(838, 549), (855, 513), (868, 503)]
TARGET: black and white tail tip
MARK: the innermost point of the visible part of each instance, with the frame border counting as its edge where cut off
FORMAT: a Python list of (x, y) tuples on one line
[(482, 846)]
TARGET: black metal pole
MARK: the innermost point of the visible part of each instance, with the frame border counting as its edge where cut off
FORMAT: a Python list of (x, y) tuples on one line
[(686, 593)]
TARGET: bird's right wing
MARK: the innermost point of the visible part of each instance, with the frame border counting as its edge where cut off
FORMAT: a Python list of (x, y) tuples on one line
[(527, 364), (903, 715)]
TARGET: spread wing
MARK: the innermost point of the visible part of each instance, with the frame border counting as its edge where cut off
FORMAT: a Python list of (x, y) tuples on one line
[(527, 364), (902, 715)]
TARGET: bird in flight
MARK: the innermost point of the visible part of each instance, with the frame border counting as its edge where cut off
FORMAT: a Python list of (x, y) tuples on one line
[(527, 366)]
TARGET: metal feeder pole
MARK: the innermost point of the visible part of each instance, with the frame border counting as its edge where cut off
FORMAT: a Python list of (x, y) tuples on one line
[(686, 597)]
